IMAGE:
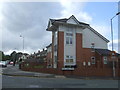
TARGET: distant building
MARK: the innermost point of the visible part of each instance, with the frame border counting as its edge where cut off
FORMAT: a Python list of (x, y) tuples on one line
[(24, 56), (49, 56), (76, 44)]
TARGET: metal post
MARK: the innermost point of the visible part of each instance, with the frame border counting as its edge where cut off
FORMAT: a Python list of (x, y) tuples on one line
[(23, 42), (112, 47), (112, 43)]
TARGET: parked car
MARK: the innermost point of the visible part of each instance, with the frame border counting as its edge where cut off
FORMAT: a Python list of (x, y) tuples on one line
[(8, 61), (11, 62), (3, 63)]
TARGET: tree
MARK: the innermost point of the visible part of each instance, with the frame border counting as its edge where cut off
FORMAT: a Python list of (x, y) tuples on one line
[(2, 56), (13, 57)]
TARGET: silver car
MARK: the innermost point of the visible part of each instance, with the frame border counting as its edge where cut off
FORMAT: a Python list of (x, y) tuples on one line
[(3, 63)]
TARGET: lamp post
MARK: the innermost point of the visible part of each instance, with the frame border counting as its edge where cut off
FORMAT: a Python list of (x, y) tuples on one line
[(112, 42), (23, 42)]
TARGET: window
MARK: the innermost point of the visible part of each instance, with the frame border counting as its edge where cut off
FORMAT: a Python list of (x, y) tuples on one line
[(69, 59), (55, 59), (105, 60), (55, 48), (69, 38), (92, 47), (93, 60)]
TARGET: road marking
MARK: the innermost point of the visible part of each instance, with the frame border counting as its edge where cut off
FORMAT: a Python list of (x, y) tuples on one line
[(36, 74), (33, 86)]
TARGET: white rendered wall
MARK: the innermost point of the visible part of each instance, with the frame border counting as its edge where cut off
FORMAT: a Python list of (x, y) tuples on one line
[(70, 49), (90, 37), (72, 21)]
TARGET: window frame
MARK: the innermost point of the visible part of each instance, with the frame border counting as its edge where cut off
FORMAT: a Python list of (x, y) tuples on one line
[(93, 61), (69, 58), (69, 38), (105, 61)]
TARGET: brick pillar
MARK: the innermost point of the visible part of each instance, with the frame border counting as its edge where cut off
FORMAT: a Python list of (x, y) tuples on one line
[(78, 47), (60, 49)]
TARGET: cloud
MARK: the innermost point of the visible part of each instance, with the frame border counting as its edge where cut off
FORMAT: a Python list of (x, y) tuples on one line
[(77, 9), (29, 20), (115, 45)]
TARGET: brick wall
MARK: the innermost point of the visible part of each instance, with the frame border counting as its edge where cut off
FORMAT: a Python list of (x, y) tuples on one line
[(60, 49), (79, 49), (83, 71)]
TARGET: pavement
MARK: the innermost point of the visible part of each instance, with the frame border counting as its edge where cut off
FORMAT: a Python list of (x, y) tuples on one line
[(15, 71)]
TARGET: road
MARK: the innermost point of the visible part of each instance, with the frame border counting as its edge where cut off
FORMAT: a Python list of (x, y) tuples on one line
[(35, 82)]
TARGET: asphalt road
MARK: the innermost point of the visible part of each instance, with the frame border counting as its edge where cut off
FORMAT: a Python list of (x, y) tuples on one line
[(34, 82)]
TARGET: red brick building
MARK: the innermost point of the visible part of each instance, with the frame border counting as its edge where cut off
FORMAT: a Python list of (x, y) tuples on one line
[(49, 56), (77, 45), (76, 49)]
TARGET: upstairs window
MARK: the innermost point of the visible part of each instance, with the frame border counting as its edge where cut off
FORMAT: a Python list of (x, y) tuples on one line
[(69, 38), (92, 47), (105, 59)]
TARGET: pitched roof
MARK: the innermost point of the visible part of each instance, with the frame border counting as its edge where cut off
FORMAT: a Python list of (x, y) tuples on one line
[(64, 20), (60, 20), (104, 52), (49, 45)]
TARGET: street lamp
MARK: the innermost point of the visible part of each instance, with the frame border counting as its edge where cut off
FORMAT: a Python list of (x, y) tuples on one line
[(23, 42), (112, 42)]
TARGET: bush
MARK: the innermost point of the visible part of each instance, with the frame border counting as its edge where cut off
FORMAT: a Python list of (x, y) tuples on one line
[(40, 66)]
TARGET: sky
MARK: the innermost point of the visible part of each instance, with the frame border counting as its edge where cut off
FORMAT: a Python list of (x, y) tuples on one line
[(30, 20)]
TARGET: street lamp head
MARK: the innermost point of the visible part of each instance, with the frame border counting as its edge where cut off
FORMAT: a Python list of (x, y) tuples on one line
[(118, 13)]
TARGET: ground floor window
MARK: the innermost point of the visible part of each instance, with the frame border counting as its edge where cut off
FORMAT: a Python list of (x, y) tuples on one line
[(105, 59), (92, 60), (69, 59)]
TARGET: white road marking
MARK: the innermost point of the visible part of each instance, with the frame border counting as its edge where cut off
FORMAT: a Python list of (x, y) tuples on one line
[(10, 76), (36, 74), (33, 86)]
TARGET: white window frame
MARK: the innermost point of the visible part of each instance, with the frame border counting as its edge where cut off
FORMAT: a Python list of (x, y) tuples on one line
[(69, 38), (105, 59), (68, 57), (92, 47), (93, 60)]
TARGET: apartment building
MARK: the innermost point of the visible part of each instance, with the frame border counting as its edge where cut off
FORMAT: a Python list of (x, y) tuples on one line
[(76, 44)]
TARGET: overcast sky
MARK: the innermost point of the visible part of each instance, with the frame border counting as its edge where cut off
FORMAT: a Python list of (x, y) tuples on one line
[(30, 19)]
